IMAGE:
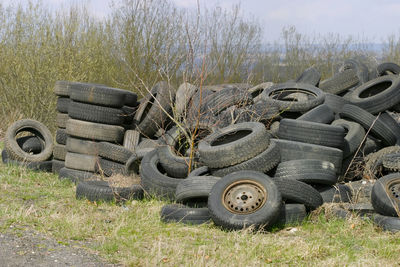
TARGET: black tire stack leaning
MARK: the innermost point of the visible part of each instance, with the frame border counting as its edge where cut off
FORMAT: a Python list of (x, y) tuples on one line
[(98, 117)]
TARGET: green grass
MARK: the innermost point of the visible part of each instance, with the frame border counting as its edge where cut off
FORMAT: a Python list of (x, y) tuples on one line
[(132, 234)]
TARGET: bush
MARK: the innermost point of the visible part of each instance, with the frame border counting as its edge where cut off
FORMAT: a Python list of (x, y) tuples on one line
[(142, 42)]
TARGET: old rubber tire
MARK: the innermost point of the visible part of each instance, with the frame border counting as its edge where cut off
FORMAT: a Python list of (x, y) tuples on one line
[(335, 193), (312, 133), (153, 180), (374, 161), (109, 168), (294, 191), (291, 150), (201, 171), (355, 63), (223, 99), (391, 162), (275, 96), (98, 94), (387, 223), (385, 195), (95, 131), (355, 135), (95, 113), (310, 76), (197, 108), (195, 188), (30, 144), (102, 191), (256, 91), (63, 104), (387, 68), (57, 165), (59, 152), (173, 161), (183, 214), (61, 120), (377, 95), (82, 146), (392, 124), (61, 88), (263, 162), (114, 152), (340, 82), (263, 199), (367, 120), (233, 144), (76, 175), (335, 102), (183, 96), (292, 214), (311, 171), (32, 126), (61, 136), (154, 108), (131, 139), (44, 166), (81, 162), (319, 114), (257, 112)]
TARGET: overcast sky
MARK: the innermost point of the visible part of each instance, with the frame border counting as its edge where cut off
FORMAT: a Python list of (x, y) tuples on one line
[(371, 19)]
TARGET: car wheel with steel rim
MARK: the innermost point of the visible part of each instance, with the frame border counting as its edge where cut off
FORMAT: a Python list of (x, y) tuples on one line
[(385, 195), (243, 199)]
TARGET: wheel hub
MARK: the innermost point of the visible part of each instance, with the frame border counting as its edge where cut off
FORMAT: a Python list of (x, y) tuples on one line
[(244, 197), (394, 190)]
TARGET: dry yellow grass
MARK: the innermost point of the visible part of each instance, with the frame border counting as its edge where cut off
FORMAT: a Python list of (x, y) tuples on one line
[(132, 233)]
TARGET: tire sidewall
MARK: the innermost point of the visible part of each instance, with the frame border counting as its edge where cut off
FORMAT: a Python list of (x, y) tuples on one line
[(270, 209)]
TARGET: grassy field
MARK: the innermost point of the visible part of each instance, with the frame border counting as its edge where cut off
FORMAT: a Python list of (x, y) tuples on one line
[(132, 234)]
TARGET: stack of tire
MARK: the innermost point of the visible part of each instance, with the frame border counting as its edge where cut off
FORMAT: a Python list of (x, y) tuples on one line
[(28, 143), (95, 130), (61, 90)]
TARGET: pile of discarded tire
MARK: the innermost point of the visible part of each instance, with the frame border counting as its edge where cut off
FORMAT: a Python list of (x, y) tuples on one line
[(239, 155)]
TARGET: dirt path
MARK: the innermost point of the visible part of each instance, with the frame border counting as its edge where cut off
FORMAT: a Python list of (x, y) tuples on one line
[(27, 248)]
